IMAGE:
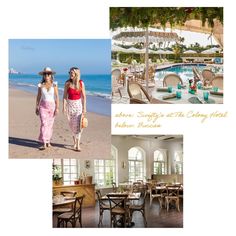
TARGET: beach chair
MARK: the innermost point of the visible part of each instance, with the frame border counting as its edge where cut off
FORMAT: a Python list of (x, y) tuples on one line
[(138, 95), (217, 81), (172, 79)]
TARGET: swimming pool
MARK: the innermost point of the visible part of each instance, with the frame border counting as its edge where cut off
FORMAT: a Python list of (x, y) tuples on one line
[(184, 71)]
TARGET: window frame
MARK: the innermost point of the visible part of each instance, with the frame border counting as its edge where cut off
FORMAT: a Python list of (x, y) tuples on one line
[(62, 165), (136, 161), (102, 170), (162, 163)]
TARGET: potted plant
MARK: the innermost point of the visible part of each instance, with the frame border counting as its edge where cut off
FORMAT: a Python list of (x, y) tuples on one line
[(56, 175)]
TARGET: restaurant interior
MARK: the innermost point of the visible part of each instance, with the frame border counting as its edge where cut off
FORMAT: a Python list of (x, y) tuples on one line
[(140, 185)]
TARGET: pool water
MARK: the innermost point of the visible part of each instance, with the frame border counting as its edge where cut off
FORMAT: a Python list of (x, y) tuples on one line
[(184, 71)]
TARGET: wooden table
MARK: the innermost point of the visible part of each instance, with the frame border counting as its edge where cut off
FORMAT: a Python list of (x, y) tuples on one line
[(61, 201), (131, 196)]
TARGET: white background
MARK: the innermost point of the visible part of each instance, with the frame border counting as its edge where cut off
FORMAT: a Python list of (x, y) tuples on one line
[(209, 149)]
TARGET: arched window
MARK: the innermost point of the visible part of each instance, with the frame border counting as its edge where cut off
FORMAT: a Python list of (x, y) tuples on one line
[(105, 171), (178, 162), (136, 164), (160, 163)]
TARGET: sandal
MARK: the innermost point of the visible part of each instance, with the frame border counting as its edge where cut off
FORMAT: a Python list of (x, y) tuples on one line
[(43, 147)]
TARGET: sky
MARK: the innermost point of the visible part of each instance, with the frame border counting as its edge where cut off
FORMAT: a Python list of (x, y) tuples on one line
[(92, 56), (193, 37)]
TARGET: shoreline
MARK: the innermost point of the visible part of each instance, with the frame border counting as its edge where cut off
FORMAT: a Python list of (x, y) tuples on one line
[(24, 130), (95, 103)]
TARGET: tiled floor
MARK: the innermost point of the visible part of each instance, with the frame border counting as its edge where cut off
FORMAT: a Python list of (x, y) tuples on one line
[(156, 218)]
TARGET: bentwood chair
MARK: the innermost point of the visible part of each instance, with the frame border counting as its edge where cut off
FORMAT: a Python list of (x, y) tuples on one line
[(116, 78), (118, 208), (172, 79), (138, 95), (102, 207), (207, 76), (136, 187), (72, 217), (217, 81), (157, 193), (69, 193), (172, 196), (139, 207), (60, 210), (114, 187)]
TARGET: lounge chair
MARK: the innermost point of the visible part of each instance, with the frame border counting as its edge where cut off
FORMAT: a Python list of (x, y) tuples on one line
[(172, 79), (217, 81), (138, 95)]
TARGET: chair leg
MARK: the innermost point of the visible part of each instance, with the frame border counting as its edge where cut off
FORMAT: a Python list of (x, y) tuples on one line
[(177, 203), (100, 218), (160, 202), (111, 222), (58, 223), (150, 199), (144, 218), (167, 205)]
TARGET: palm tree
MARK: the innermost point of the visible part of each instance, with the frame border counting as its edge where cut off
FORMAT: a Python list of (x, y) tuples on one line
[(177, 50)]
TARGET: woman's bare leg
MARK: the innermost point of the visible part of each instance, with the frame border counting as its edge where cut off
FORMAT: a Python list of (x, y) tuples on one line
[(78, 142), (74, 142)]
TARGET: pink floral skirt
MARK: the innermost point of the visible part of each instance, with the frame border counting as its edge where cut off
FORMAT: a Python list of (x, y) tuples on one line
[(74, 114), (46, 114)]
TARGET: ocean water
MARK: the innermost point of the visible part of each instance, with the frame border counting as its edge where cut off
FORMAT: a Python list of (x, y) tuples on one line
[(98, 88)]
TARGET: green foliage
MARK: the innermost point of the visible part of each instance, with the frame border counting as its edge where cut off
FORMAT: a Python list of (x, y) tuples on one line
[(148, 16), (56, 172)]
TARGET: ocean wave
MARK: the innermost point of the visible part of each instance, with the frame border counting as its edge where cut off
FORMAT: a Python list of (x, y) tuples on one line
[(96, 94), (92, 93), (25, 84)]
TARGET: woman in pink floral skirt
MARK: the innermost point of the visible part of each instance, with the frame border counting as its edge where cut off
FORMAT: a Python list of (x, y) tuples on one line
[(47, 106)]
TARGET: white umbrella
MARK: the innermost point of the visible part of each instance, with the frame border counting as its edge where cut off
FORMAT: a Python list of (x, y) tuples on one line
[(116, 48), (190, 52), (210, 51), (215, 49), (134, 50), (169, 52), (160, 51), (146, 37)]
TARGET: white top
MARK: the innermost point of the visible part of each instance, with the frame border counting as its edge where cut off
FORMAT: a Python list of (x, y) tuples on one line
[(47, 94)]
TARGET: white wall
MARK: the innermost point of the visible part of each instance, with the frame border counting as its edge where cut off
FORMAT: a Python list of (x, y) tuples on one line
[(124, 143)]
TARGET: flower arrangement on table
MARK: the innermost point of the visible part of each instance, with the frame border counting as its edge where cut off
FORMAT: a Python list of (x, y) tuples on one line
[(125, 69)]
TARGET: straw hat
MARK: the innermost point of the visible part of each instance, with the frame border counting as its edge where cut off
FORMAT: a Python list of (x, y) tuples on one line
[(47, 70)]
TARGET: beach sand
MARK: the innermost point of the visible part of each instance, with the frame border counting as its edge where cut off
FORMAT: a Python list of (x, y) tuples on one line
[(24, 131)]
